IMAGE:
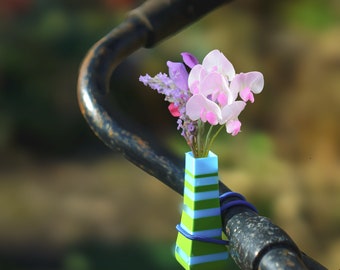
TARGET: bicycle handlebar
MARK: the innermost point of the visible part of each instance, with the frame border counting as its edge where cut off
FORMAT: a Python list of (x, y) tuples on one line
[(255, 242)]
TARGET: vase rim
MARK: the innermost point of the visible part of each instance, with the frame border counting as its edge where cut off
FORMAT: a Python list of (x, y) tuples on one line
[(210, 155)]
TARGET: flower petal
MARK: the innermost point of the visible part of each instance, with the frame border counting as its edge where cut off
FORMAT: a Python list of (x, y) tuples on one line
[(232, 111), (252, 80), (174, 110), (256, 81), (178, 74), (195, 77), (189, 59), (222, 99), (215, 60), (233, 127), (194, 106), (213, 83), (211, 117), (199, 107), (246, 95)]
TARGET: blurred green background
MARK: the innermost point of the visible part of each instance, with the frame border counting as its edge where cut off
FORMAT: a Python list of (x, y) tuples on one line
[(68, 202)]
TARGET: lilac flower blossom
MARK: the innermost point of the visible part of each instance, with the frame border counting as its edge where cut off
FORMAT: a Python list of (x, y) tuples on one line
[(176, 91)]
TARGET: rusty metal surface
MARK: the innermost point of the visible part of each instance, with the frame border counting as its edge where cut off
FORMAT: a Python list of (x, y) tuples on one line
[(256, 243)]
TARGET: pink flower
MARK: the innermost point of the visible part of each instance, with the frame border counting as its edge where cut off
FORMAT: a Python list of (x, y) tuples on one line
[(216, 61), (234, 127), (200, 107), (214, 100), (213, 78), (174, 110), (246, 84), (212, 93)]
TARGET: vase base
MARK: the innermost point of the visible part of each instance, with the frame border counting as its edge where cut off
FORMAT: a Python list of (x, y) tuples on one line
[(216, 261)]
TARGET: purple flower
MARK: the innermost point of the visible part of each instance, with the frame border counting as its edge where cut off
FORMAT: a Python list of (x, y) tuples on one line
[(189, 59), (175, 88), (178, 74)]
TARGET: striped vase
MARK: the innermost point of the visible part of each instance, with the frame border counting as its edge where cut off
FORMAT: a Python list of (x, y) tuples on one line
[(201, 216)]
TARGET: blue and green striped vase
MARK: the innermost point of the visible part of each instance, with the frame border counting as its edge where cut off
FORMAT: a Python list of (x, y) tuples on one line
[(201, 216)]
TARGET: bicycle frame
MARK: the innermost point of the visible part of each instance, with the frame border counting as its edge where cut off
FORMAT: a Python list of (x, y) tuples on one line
[(255, 242)]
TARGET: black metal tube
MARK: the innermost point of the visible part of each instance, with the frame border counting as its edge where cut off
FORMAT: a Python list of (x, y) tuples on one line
[(281, 256), (144, 26), (252, 239), (165, 17), (255, 243)]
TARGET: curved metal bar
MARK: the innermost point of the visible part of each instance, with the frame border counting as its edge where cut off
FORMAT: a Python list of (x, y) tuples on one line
[(144, 26), (255, 243)]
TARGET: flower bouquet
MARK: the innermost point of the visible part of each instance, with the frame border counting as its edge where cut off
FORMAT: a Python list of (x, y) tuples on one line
[(205, 98)]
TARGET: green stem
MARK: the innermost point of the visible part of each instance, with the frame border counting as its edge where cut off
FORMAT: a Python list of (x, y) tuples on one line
[(213, 138), (198, 150), (201, 145), (207, 141)]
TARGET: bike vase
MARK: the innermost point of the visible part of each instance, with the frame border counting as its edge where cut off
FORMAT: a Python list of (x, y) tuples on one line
[(201, 216)]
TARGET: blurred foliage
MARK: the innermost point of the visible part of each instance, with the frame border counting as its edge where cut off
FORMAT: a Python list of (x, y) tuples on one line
[(286, 160), (315, 15), (40, 51)]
